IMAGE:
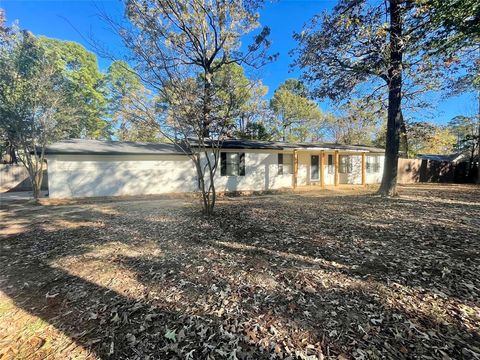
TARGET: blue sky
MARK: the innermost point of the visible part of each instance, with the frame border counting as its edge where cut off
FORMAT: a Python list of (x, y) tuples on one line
[(77, 20)]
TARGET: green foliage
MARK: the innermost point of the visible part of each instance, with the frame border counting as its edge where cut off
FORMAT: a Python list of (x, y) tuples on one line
[(2, 20), (452, 25), (231, 91), (372, 47), (35, 106), (255, 131), (428, 138), (295, 87), (293, 111), (242, 100), (342, 51), (357, 123), (121, 80), (131, 106), (450, 30), (87, 91), (31, 88), (465, 130)]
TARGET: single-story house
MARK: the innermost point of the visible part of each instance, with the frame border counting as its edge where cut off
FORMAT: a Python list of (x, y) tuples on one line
[(84, 168)]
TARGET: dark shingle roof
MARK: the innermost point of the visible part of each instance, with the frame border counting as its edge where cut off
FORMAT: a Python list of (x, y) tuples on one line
[(278, 145), (101, 147), (256, 144), (332, 146), (83, 146)]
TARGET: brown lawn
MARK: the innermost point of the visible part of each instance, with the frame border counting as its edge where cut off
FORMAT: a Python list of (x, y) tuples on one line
[(307, 275)]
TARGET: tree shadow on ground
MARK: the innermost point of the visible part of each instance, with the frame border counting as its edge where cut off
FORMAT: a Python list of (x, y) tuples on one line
[(169, 283), (434, 247)]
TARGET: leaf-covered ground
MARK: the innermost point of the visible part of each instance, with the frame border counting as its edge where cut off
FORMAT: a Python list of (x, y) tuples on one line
[(311, 275)]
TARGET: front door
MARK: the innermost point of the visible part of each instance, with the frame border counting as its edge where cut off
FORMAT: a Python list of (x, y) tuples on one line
[(314, 168)]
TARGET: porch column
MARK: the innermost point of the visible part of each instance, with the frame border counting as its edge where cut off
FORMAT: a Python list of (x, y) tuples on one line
[(364, 174), (336, 169), (295, 168), (322, 169)]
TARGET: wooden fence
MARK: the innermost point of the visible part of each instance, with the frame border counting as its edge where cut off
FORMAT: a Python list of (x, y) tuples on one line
[(15, 178), (417, 170)]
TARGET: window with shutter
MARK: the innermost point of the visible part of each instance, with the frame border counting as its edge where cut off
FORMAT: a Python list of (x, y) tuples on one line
[(223, 164), (288, 163), (241, 166), (232, 164), (285, 164)]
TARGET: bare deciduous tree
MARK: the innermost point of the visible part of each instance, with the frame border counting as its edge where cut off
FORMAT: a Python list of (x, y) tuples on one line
[(179, 48)]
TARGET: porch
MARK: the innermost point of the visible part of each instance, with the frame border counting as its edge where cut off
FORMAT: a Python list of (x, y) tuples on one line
[(333, 168)]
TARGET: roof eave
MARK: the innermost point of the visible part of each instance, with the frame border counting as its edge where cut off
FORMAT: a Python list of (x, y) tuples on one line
[(112, 153)]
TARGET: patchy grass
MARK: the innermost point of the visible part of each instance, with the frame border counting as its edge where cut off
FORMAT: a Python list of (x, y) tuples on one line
[(309, 275)]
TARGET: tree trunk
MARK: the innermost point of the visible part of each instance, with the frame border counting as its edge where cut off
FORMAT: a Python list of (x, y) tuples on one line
[(389, 179), (207, 108), (12, 153), (403, 138), (208, 192), (206, 186), (37, 184), (478, 142)]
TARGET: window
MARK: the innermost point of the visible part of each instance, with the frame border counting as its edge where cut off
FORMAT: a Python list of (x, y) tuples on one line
[(285, 164), (232, 164), (373, 164), (314, 168), (330, 166), (345, 166)]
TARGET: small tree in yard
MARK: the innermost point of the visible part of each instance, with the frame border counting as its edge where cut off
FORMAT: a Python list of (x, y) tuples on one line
[(179, 50), (32, 100)]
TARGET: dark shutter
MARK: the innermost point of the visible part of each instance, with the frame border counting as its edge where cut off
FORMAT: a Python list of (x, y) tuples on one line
[(241, 165), (223, 164), (280, 164)]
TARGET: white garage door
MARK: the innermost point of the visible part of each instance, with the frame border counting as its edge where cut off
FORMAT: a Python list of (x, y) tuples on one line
[(102, 175)]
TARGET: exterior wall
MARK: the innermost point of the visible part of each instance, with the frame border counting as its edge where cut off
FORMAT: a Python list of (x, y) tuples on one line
[(261, 173), (103, 175), (354, 178), (303, 175), (376, 178), (118, 175)]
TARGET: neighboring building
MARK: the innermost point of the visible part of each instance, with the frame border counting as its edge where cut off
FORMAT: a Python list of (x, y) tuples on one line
[(85, 168), (453, 158), (459, 167)]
